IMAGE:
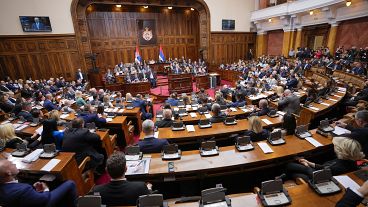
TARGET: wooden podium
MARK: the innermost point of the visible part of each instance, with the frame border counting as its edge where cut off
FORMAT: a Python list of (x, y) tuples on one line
[(202, 81), (180, 83)]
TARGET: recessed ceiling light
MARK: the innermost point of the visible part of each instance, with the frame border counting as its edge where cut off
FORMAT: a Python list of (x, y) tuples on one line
[(269, 20), (146, 7), (192, 9), (348, 3), (118, 5), (311, 12), (169, 7)]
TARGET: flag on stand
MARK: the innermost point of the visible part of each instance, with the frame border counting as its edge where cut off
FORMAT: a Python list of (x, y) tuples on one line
[(161, 55), (138, 58)]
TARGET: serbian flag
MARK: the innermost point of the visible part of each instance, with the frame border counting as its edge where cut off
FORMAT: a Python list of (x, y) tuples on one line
[(138, 58), (161, 55)]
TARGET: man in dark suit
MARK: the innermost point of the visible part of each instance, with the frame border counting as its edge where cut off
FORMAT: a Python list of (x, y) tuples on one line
[(37, 25), (292, 82), (353, 197), (89, 115), (140, 103), (25, 113), (263, 106), (84, 143), (79, 75), (290, 103), (172, 100), (361, 133), (217, 116), (119, 191), (358, 69), (150, 144), (48, 105), (166, 121), (15, 194)]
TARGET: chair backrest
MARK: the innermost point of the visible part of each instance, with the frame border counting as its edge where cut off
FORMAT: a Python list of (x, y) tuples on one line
[(89, 201)]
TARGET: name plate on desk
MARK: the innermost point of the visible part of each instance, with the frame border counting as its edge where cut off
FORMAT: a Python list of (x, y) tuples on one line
[(276, 199)]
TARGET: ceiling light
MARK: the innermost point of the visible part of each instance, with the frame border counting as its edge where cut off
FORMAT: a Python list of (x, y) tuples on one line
[(269, 20), (146, 7), (192, 9), (348, 3), (311, 12), (118, 5), (169, 7)]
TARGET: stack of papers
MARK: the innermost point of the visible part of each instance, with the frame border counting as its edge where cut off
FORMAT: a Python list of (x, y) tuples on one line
[(245, 110), (192, 114), (50, 165), (314, 108), (208, 116), (233, 109), (347, 182), (326, 104), (33, 156), (313, 142), (63, 116), (156, 134), (138, 167), (268, 122), (108, 119), (281, 113), (264, 147), (339, 131), (190, 128)]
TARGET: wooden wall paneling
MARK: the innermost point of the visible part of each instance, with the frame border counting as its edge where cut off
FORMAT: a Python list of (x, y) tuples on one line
[(39, 56)]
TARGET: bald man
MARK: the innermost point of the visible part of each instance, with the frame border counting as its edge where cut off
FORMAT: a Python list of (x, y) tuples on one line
[(16, 194)]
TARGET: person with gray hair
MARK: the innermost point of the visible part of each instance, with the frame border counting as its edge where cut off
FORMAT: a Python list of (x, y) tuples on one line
[(361, 132), (289, 103), (166, 121), (217, 116), (119, 191), (263, 107), (150, 144)]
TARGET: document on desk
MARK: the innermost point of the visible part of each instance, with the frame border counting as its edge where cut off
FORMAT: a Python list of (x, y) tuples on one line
[(268, 122), (347, 182), (188, 106), (331, 99), (313, 142), (115, 110), (339, 131), (156, 134), (326, 104), (121, 111), (193, 114), (208, 116), (233, 109), (195, 108), (264, 147), (281, 113), (137, 167), (314, 108), (108, 119), (190, 128), (245, 110), (337, 96), (63, 116), (50, 165), (33, 156), (39, 130), (20, 128)]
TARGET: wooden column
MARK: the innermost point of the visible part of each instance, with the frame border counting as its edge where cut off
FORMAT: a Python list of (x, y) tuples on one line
[(332, 37), (292, 39), (286, 43), (298, 38), (261, 44)]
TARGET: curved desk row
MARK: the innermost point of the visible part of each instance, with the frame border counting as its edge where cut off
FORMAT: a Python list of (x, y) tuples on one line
[(192, 165)]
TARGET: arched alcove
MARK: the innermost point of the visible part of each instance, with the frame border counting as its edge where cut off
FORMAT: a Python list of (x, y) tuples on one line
[(79, 15)]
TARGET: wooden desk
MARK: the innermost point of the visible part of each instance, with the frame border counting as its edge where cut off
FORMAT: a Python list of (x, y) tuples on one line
[(180, 83), (143, 87), (342, 78), (217, 129), (192, 165), (159, 67), (202, 81), (308, 114), (66, 169)]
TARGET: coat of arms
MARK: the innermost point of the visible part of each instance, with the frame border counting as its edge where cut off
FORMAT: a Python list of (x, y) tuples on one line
[(147, 34)]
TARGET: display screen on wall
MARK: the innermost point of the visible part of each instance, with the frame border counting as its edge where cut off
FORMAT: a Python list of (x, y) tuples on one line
[(228, 24), (35, 24)]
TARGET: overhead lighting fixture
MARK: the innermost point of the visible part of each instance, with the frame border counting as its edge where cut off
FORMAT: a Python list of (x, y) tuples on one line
[(169, 7), (348, 3), (311, 12), (146, 7), (269, 20), (118, 5), (192, 9)]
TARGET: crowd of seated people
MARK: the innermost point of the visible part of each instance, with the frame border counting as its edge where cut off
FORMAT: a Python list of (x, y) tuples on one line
[(182, 65)]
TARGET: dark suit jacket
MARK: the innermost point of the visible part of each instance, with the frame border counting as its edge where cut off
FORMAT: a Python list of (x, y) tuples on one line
[(121, 193), (255, 137), (361, 135), (263, 112), (152, 145), (26, 115), (89, 118), (49, 106), (83, 143), (20, 194), (349, 199), (172, 102), (290, 104), (216, 119), (6, 107), (164, 123)]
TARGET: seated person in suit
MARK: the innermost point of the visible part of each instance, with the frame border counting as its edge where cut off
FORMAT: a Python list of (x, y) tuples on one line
[(347, 151), (353, 197), (362, 95), (9, 139), (107, 101), (358, 69), (84, 143), (256, 131), (290, 103), (48, 105), (292, 82), (26, 111), (240, 101), (217, 115), (220, 99), (150, 144), (119, 98), (361, 132), (89, 115), (51, 135), (140, 103), (79, 99), (263, 108), (14, 193), (172, 100), (289, 124), (5, 104), (166, 121), (67, 107), (119, 191)]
